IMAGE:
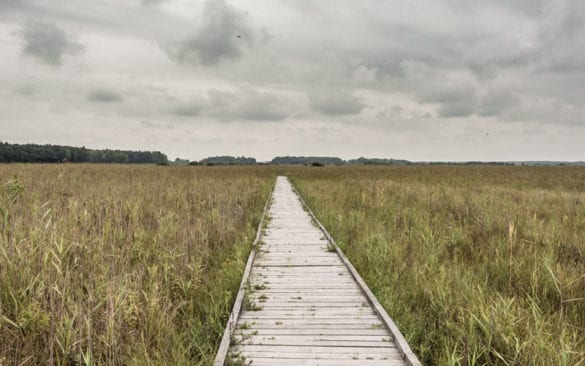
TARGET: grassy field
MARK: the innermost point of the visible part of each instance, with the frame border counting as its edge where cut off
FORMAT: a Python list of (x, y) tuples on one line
[(477, 265), (122, 265), (111, 264)]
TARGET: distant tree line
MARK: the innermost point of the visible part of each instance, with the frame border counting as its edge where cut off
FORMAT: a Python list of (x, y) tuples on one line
[(226, 160), (328, 160), (306, 160), (376, 161), (32, 153), (295, 160)]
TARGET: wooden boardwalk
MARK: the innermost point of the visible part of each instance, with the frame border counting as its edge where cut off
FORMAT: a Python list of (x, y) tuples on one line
[(302, 303)]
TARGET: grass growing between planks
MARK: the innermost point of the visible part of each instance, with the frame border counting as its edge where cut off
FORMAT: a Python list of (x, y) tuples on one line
[(122, 264), (477, 265)]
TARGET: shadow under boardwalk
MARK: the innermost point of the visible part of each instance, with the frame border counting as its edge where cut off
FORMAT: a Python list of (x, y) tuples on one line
[(302, 304)]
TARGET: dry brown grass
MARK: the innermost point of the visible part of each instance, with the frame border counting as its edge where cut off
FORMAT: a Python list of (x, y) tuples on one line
[(122, 264)]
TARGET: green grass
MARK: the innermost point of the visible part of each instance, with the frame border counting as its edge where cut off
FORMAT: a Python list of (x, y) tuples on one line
[(477, 265)]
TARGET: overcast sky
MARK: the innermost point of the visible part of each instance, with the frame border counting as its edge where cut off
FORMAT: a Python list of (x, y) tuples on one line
[(418, 80)]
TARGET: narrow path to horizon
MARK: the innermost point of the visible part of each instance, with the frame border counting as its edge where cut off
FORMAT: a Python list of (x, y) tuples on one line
[(302, 305)]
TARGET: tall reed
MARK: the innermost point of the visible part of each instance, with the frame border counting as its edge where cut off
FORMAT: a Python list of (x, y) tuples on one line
[(122, 265), (477, 265)]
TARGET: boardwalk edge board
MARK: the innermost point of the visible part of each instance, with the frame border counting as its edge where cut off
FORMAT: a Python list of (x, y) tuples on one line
[(234, 315), (399, 339)]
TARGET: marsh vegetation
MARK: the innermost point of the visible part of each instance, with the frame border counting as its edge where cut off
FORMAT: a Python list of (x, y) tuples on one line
[(122, 265), (477, 265), (112, 264)]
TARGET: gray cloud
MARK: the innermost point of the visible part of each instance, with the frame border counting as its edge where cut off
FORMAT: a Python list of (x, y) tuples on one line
[(101, 95), (223, 35), (454, 100), (462, 100), (243, 104), (153, 2), (248, 104), (496, 102), (188, 108), (27, 89), (148, 124), (47, 43), (9, 4), (335, 102)]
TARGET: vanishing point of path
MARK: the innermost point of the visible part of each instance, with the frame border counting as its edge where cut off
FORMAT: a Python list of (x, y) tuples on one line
[(304, 304)]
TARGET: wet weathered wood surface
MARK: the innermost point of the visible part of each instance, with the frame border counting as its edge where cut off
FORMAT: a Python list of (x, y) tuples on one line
[(304, 304)]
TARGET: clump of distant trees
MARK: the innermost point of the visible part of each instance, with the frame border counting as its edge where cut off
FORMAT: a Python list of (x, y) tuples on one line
[(179, 161), (33, 153), (306, 160), (376, 161), (227, 160)]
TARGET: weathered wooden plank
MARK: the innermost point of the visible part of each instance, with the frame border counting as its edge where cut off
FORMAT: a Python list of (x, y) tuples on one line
[(308, 285), (286, 339), (296, 277), (348, 313), (294, 242), (268, 305), (287, 256), (319, 297), (297, 262), (310, 326), (308, 315), (331, 280), (382, 351), (312, 269), (301, 271), (295, 341), (309, 292), (303, 331), (291, 359), (357, 297), (299, 246), (311, 317), (282, 322)]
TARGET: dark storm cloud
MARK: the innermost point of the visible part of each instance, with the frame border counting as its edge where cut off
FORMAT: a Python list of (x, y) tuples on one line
[(47, 43), (335, 102), (101, 95), (223, 35)]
